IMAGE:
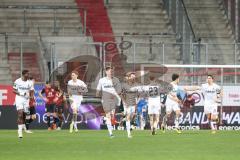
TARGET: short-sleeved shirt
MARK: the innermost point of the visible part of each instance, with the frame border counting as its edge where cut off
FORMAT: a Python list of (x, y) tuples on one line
[(77, 88), (23, 87), (210, 93), (110, 87), (130, 92), (50, 94)]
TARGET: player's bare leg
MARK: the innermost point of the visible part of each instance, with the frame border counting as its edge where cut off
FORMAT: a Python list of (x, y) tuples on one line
[(20, 122), (213, 123), (151, 116), (60, 117), (55, 121), (156, 122), (73, 124), (165, 121), (128, 125), (27, 122), (177, 121), (109, 124), (32, 118)]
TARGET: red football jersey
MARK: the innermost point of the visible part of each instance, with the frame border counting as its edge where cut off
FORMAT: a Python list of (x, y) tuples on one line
[(32, 102), (58, 98), (50, 94)]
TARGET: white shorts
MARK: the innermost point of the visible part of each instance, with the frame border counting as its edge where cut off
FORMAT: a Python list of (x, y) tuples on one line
[(154, 106), (109, 106), (211, 109), (76, 101), (21, 103), (129, 110), (171, 106)]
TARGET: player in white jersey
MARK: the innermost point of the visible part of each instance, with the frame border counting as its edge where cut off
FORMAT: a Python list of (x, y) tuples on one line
[(76, 88), (154, 103), (212, 94), (22, 87), (109, 88), (173, 103), (129, 97)]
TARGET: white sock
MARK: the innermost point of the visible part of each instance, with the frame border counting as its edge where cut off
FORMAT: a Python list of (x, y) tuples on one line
[(20, 127), (212, 123), (109, 125), (75, 125), (177, 122), (128, 126), (155, 125), (24, 127)]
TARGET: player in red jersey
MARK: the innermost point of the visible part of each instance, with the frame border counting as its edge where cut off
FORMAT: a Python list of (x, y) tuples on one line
[(59, 100), (49, 97)]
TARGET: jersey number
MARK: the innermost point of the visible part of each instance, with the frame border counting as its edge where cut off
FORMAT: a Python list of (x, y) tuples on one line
[(153, 91)]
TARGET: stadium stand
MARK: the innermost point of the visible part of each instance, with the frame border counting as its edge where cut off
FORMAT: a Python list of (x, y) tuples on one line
[(145, 22), (27, 21), (210, 23)]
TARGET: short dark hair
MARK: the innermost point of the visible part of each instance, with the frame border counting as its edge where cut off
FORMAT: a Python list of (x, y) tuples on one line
[(108, 68), (75, 72), (152, 78), (25, 72), (210, 75), (175, 76)]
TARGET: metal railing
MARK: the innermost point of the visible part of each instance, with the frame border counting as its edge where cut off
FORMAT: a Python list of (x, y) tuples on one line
[(232, 12), (182, 26), (131, 52)]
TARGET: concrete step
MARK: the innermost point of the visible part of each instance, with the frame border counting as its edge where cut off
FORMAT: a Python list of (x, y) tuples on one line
[(135, 2), (195, 14), (49, 3), (141, 26), (157, 39), (142, 10), (45, 24), (42, 29), (16, 15), (119, 31), (140, 15), (139, 20)]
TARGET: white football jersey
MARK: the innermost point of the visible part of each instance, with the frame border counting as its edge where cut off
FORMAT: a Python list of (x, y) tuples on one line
[(77, 88), (23, 87), (210, 93), (109, 87), (173, 92)]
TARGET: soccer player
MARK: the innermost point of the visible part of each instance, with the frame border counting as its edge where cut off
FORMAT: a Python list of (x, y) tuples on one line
[(22, 88), (129, 97), (32, 111), (49, 97), (110, 89), (59, 101), (154, 105), (76, 88), (212, 93), (173, 103)]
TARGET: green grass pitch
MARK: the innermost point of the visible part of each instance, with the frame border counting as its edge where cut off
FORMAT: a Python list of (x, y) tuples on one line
[(89, 144)]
